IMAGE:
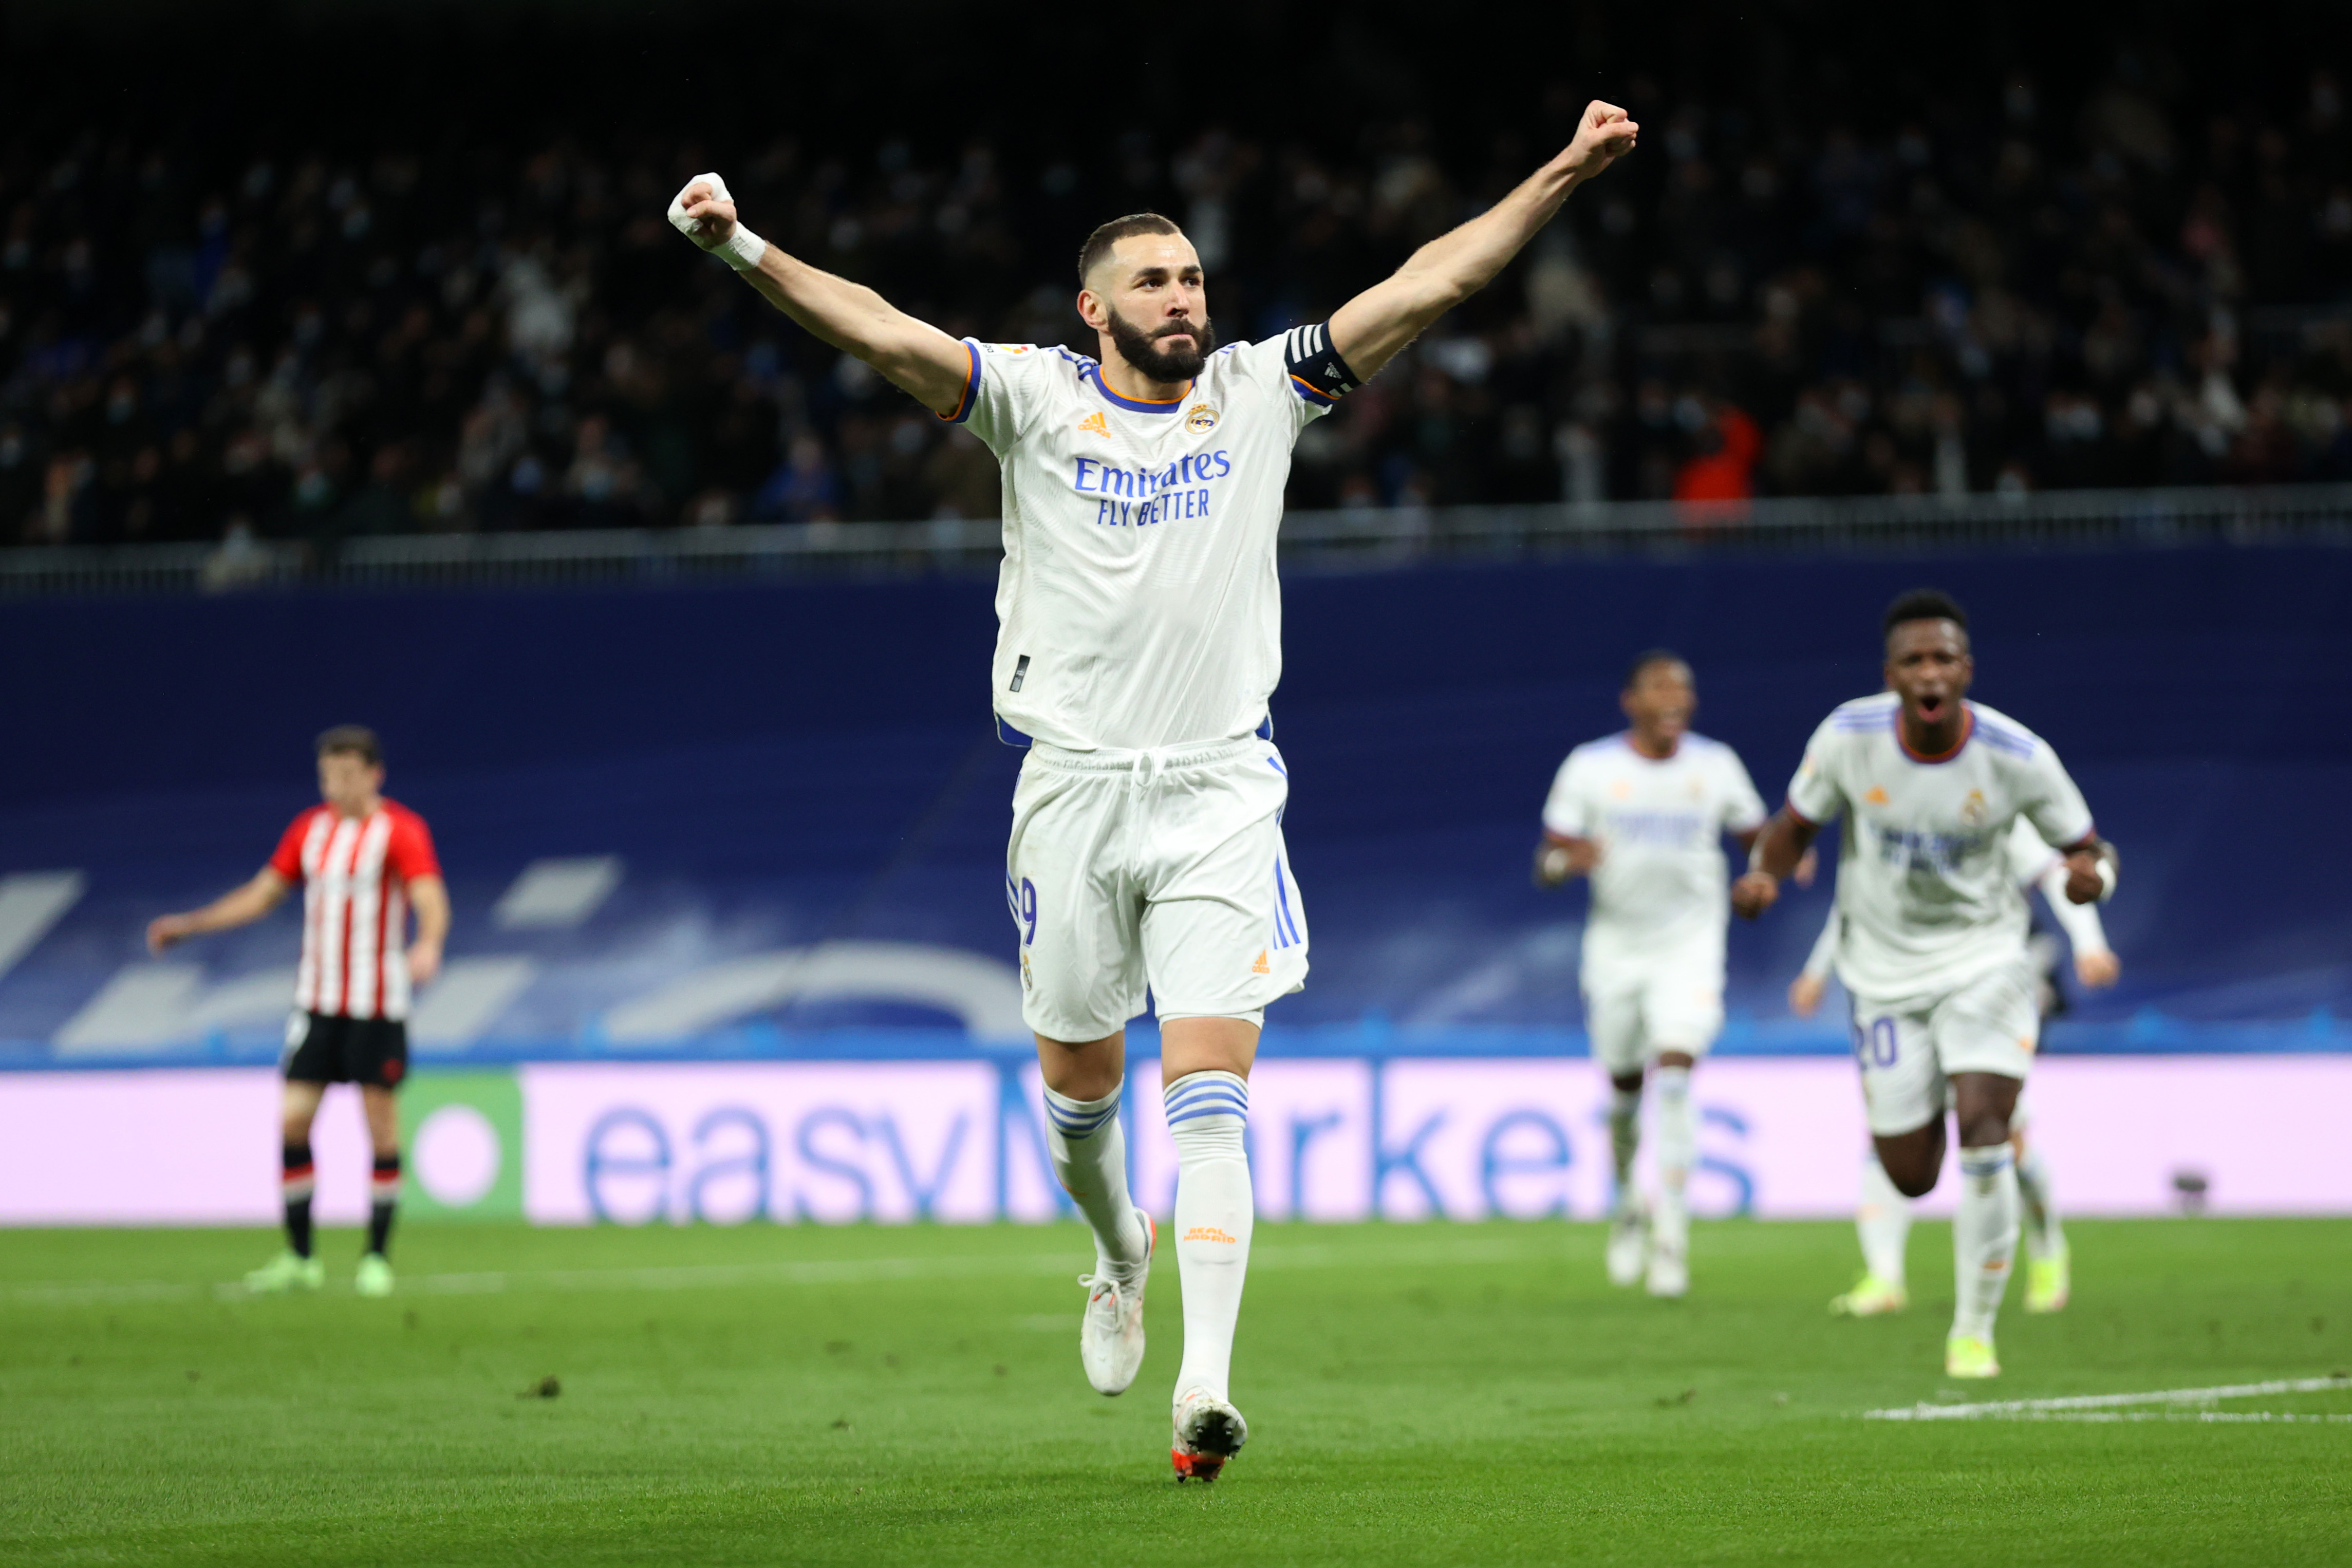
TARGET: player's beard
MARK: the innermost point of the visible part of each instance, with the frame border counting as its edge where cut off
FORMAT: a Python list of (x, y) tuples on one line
[(1165, 365)]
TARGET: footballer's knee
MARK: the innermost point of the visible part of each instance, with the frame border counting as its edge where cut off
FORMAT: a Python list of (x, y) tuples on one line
[(297, 1106), (1626, 1083), (1912, 1181), (1913, 1160), (1982, 1105), (1083, 1069), (382, 1119), (1676, 1060)]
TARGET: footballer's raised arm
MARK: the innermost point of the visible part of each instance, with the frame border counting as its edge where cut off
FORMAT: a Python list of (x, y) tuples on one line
[(1369, 330), (928, 365)]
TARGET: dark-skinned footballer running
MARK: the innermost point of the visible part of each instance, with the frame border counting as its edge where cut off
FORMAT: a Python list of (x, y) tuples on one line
[(1932, 940)]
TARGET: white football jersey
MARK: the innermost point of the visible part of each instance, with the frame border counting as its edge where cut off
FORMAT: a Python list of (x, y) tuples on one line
[(1660, 825), (1927, 883), (2031, 864), (1138, 604)]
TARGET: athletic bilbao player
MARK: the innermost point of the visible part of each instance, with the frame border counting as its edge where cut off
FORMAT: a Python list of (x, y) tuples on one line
[(364, 861)]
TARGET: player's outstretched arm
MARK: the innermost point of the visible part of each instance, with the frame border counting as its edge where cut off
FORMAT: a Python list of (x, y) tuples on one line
[(1779, 848), (242, 907), (915, 356), (1369, 330)]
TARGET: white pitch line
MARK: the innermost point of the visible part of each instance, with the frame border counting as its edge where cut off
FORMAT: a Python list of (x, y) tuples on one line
[(2038, 1408), (2205, 1415)]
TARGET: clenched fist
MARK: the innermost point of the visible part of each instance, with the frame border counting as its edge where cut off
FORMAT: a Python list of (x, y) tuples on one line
[(1754, 893), (1606, 134), (705, 213)]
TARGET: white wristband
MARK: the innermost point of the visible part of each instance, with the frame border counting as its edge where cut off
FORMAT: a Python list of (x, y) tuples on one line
[(741, 251), (2106, 879)]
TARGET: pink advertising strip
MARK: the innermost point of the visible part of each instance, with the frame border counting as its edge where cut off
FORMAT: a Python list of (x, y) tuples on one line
[(1329, 1139)]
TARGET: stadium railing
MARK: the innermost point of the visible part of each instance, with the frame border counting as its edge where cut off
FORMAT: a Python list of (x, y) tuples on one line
[(1357, 538)]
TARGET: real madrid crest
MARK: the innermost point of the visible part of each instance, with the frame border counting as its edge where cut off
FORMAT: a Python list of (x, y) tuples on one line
[(1200, 418)]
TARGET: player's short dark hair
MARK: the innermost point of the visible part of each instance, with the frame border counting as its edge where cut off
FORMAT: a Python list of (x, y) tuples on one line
[(357, 739), (1098, 243), (1644, 660), (1924, 605)]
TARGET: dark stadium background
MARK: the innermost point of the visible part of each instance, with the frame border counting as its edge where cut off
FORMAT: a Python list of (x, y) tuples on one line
[(303, 277), (422, 250)]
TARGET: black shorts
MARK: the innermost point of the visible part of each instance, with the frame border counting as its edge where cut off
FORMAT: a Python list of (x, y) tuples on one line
[(323, 1048)]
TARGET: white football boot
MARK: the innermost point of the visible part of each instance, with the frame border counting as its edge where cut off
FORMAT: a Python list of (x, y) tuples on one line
[(1110, 1335), (1629, 1246), (1669, 1273), (1209, 1431)]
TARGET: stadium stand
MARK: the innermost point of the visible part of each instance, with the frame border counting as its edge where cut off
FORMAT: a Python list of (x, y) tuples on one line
[(2015, 278)]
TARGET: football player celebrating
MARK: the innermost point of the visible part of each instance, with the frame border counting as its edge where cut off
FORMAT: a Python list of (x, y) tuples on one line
[(1138, 642), (1882, 1220), (1643, 814), (1932, 943)]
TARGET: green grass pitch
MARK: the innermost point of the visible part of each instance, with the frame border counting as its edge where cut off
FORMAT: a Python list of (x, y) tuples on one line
[(1416, 1393)]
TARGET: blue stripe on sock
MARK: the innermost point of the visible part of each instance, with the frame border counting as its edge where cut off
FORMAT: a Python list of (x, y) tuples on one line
[(1185, 1088), (1236, 1104), (1208, 1109), (1079, 1126)]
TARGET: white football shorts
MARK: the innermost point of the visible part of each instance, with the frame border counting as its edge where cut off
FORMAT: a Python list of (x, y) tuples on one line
[(1669, 999), (1163, 868), (1908, 1050)]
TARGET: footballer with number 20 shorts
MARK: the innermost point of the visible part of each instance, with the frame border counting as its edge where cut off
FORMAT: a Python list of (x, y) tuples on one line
[(1932, 935)]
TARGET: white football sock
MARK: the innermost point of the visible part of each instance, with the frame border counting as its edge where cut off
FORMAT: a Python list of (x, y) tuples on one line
[(1214, 1213), (2045, 1237), (1883, 1221), (1625, 1141), (1089, 1154), (1676, 1134), (1984, 1237)]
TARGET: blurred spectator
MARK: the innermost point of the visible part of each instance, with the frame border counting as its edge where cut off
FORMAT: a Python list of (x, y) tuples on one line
[(1995, 292), (1723, 469)]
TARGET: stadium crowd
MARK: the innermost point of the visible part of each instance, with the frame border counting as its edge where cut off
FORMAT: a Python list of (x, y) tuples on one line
[(1999, 295)]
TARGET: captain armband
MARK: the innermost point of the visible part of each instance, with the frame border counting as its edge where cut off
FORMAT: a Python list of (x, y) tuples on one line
[(1318, 374)]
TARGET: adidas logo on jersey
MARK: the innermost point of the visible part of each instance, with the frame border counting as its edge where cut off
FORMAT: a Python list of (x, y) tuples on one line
[(1095, 422), (1877, 796), (1260, 966)]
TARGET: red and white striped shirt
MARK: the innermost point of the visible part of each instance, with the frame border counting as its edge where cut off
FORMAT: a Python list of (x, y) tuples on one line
[(355, 871)]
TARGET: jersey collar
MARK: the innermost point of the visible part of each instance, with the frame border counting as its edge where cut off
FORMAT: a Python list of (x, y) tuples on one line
[(1968, 728), (1138, 404)]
